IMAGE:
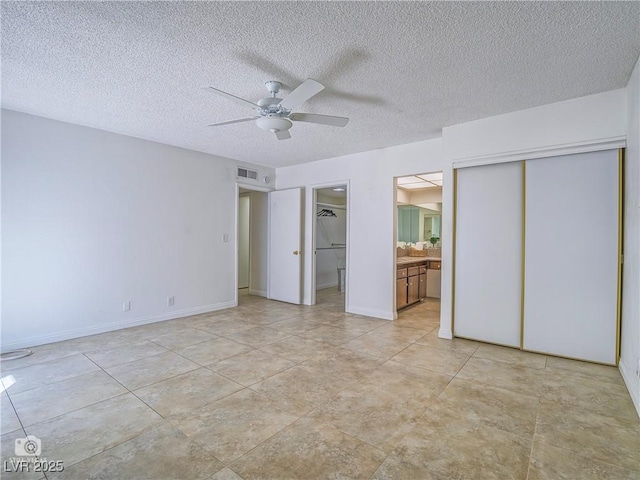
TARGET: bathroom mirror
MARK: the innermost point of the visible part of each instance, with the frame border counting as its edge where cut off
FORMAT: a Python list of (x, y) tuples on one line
[(419, 204), (418, 224)]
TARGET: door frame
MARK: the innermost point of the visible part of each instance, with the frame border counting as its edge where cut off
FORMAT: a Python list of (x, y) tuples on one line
[(314, 200), (236, 225), (249, 229), (395, 234)]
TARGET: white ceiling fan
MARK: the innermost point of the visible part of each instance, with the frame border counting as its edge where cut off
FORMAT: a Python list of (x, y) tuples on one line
[(275, 114)]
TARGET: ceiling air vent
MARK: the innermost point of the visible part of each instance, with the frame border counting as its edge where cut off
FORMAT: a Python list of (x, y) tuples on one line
[(246, 173)]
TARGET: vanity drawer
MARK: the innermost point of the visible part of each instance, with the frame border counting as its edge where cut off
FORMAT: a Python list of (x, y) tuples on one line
[(401, 273), (434, 265), (413, 271), (423, 269)]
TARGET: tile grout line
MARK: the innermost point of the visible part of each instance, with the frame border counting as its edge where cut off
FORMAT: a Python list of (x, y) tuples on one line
[(228, 464), (535, 430), (307, 413), (253, 384), (571, 452), (117, 445), (164, 419), (16, 413), (128, 391), (341, 345)]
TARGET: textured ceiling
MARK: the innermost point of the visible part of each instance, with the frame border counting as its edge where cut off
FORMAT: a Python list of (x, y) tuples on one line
[(401, 71)]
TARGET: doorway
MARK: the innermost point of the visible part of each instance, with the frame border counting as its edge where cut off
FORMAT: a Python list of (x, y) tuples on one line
[(244, 239), (252, 232), (330, 234), (418, 241)]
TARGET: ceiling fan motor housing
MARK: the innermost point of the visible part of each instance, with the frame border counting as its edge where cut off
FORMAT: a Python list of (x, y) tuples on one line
[(271, 106), (268, 102)]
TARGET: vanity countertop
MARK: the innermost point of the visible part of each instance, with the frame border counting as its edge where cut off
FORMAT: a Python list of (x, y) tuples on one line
[(408, 260)]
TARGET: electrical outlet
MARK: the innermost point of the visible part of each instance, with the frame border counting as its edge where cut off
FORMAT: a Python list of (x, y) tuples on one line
[(225, 237), (126, 306), (171, 301)]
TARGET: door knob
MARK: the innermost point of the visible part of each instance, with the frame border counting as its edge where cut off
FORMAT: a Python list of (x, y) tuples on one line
[(296, 252)]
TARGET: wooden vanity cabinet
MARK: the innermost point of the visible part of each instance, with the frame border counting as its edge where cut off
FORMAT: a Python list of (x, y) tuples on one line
[(411, 284), (413, 289), (423, 281), (402, 299)]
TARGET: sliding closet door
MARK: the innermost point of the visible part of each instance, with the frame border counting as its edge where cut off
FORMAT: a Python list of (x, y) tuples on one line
[(488, 253), (571, 256)]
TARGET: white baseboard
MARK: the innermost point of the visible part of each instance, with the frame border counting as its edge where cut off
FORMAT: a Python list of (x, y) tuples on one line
[(83, 332), (259, 293), (445, 333), (367, 312), (632, 382)]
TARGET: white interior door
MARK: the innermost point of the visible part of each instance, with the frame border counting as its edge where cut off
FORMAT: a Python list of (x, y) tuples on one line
[(571, 255), (488, 255), (285, 246)]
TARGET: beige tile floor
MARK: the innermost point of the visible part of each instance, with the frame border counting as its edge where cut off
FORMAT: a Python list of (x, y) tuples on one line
[(275, 391)]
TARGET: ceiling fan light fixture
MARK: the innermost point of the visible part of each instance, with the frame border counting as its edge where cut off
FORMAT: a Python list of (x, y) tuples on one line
[(275, 114), (274, 124)]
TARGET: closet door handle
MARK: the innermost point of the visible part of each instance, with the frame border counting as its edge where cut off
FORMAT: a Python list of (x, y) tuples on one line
[(296, 252)]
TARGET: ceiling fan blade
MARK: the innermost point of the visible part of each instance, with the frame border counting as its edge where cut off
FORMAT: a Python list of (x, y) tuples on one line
[(321, 119), (283, 134), (233, 98), (304, 92), (239, 120)]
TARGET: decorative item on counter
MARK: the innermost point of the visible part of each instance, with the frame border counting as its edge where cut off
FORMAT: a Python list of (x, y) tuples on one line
[(417, 253), (434, 252), (434, 240)]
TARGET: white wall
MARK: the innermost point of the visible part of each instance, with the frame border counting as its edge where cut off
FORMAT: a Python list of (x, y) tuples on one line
[(630, 347), (323, 198), (92, 219), (577, 122), (258, 243), (371, 210), (587, 123), (428, 195), (403, 197)]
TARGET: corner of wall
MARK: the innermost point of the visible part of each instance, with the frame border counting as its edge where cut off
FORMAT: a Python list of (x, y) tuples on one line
[(629, 363), (632, 382)]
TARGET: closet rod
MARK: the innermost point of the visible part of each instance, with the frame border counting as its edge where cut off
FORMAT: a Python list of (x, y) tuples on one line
[(334, 246), (340, 207)]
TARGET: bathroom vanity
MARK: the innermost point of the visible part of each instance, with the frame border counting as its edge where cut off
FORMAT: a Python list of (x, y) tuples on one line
[(416, 279)]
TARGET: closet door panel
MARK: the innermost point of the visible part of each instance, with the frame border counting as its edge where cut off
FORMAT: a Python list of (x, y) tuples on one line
[(488, 253), (571, 256)]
